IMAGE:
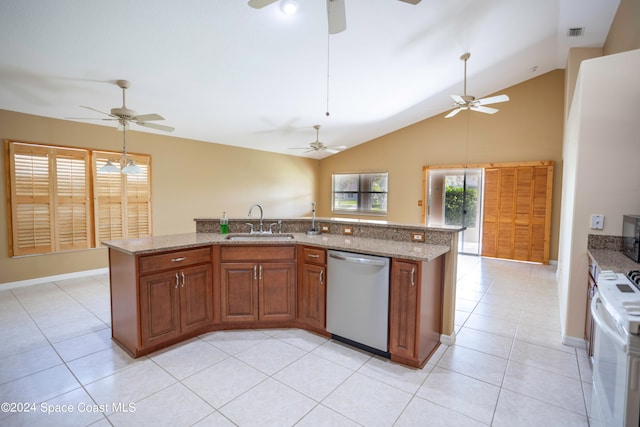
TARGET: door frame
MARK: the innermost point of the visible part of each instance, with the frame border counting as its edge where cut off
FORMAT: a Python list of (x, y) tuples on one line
[(549, 163)]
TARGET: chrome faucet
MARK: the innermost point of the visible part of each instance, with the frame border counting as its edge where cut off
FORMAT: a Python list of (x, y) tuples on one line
[(261, 230)]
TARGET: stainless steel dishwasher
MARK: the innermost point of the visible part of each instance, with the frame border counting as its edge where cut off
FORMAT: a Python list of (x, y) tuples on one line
[(358, 300)]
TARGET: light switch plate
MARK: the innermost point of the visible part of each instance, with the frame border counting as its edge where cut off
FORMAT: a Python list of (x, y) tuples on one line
[(347, 229), (597, 222), (325, 228)]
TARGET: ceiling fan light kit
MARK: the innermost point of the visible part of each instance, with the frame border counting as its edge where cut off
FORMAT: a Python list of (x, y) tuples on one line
[(469, 102), (288, 7), (336, 16)]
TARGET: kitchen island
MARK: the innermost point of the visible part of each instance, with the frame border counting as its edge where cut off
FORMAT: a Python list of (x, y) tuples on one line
[(165, 289)]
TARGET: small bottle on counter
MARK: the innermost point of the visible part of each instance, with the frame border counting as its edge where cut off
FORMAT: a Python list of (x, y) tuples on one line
[(224, 223)]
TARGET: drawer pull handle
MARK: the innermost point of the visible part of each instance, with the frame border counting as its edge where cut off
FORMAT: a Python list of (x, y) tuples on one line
[(413, 276), (177, 281), (260, 271), (179, 259), (314, 256), (255, 273), (183, 279), (321, 276)]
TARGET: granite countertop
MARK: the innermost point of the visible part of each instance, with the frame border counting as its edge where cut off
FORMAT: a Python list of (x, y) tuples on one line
[(613, 260), (407, 250)]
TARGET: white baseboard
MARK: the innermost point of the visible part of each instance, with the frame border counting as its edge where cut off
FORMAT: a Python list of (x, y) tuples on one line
[(573, 342), (448, 339), (47, 279)]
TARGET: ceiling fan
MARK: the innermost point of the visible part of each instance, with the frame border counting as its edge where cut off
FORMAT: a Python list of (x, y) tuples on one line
[(335, 11), (319, 146), (469, 102), (124, 115)]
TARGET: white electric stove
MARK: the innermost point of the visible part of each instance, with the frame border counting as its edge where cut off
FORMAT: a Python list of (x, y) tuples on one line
[(616, 357)]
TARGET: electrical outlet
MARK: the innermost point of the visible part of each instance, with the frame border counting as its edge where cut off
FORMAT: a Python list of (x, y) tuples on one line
[(417, 237), (347, 230), (597, 222), (325, 228)]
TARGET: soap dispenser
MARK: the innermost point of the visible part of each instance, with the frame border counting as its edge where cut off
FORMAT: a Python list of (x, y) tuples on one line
[(224, 223)]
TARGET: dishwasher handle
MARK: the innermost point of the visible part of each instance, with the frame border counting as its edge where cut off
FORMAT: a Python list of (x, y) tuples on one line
[(358, 260)]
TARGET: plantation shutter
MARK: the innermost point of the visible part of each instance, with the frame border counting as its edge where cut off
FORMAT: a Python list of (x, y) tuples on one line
[(517, 212), (122, 202), (138, 191), (49, 198), (73, 210)]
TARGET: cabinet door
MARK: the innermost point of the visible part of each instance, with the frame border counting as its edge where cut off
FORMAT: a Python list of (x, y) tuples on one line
[(277, 290), (159, 307), (196, 298), (403, 319), (239, 292), (312, 295)]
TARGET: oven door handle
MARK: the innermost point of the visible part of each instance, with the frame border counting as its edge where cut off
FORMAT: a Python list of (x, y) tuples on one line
[(604, 327)]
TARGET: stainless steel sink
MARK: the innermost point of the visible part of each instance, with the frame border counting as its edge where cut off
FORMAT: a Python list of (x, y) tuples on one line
[(259, 237)]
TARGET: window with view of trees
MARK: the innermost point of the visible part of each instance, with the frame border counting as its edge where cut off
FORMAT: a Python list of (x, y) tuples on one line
[(360, 193), (58, 204)]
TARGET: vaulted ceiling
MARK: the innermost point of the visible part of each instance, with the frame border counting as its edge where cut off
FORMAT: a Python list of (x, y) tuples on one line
[(221, 71)]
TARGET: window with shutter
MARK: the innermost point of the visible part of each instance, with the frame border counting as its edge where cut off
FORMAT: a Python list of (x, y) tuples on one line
[(122, 202), (50, 204), (49, 193)]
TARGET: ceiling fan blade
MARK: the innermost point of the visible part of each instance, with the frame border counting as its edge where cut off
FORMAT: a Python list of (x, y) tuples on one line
[(458, 99), (155, 126), (492, 100), (259, 4), (453, 113), (331, 150), (98, 111), (487, 110), (149, 117), (86, 118), (411, 1), (336, 16)]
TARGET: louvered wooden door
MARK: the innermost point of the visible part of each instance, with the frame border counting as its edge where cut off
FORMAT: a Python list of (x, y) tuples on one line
[(517, 212)]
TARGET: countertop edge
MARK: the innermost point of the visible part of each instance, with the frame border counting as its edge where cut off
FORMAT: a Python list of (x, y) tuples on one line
[(388, 248), (617, 261)]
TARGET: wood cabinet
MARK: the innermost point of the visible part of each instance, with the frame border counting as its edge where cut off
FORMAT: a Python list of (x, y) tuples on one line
[(257, 283), (312, 290), (163, 298), (415, 310), (170, 298)]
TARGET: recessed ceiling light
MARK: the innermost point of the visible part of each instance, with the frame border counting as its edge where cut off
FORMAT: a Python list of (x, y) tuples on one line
[(289, 7)]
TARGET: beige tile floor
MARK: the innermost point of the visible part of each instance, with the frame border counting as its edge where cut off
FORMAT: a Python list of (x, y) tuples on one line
[(507, 368)]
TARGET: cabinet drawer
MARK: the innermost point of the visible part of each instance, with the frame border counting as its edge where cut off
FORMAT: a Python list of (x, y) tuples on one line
[(163, 261), (314, 256), (257, 253)]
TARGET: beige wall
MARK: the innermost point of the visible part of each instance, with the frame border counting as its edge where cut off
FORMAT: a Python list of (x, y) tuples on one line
[(601, 174), (600, 155), (624, 34), (190, 179), (529, 127)]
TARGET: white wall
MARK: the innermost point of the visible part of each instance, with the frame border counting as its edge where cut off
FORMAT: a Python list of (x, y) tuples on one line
[(601, 175)]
